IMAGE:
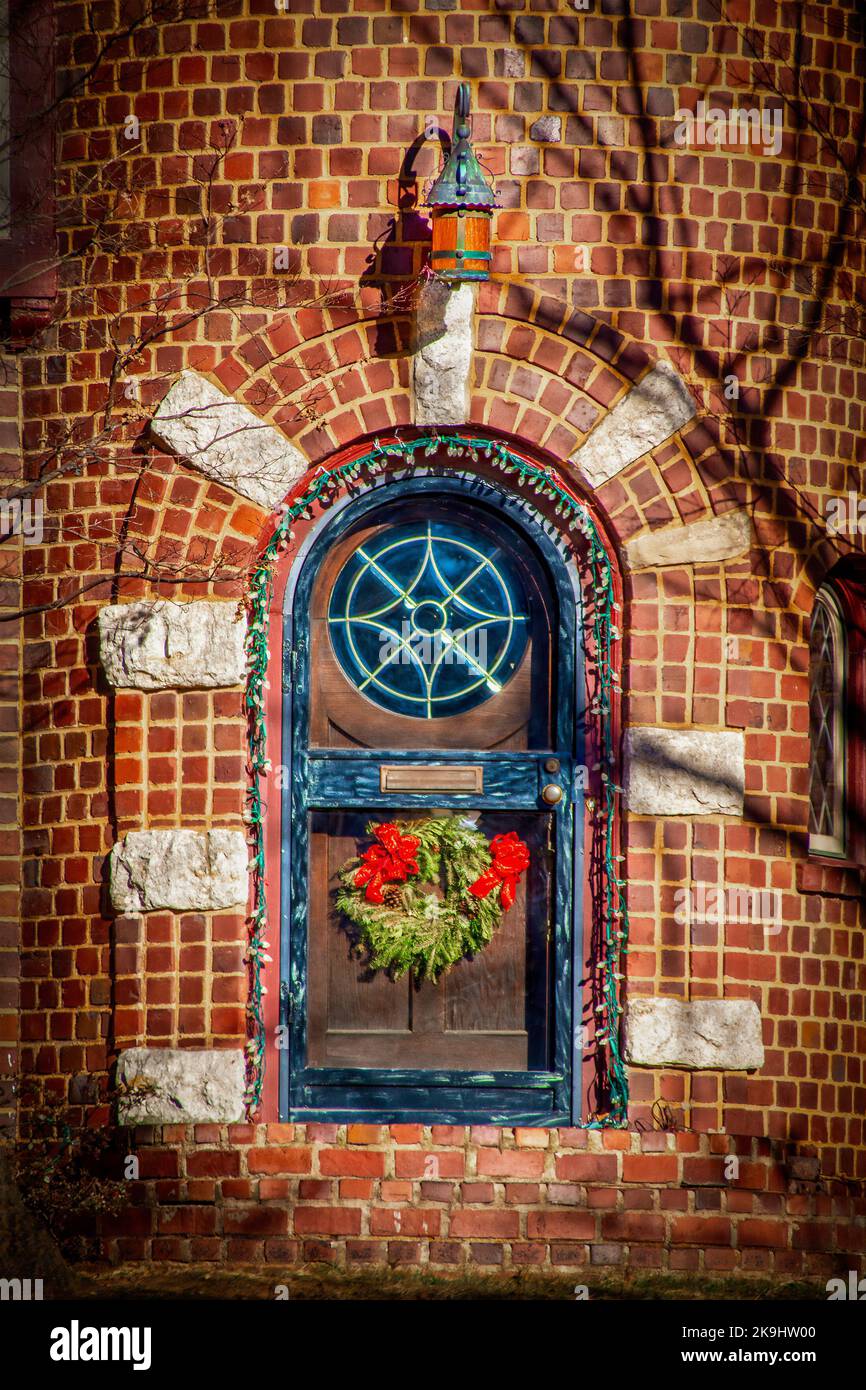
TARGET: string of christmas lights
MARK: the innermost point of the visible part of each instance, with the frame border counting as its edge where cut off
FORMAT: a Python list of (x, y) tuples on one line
[(606, 632)]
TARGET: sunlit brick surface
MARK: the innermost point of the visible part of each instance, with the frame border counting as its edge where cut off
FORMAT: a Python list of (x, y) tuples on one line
[(614, 247)]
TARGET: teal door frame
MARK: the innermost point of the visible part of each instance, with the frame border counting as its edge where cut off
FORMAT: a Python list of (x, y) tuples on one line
[(346, 779)]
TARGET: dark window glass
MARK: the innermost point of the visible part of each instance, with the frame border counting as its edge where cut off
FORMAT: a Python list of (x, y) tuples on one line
[(429, 620), (826, 726)]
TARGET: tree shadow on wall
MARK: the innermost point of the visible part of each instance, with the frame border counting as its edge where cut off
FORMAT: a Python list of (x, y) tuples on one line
[(768, 310)]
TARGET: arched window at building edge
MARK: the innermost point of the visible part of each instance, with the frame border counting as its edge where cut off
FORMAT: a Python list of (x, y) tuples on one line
[(837, 717), (28, 127), (827, 725)]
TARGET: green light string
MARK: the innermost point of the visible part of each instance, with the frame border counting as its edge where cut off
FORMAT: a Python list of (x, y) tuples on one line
[(614, 913)]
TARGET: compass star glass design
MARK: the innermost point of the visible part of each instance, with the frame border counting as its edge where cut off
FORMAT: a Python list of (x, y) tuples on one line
[(429, 619)]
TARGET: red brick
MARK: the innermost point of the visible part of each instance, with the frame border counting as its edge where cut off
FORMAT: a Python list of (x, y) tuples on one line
[(364, 1134), (632, 1225), (770, 1233), (187, 1221), (649, 1168), (510, 1164), (341, 1163), (255, 1221), (327, 1221), (589, 1168), (503, 1225), (532, 1138), (554, 1225), (409, 1164), (407, 1134), (701, 1230), (213, 1163), (417, 1222), (279, 1160)]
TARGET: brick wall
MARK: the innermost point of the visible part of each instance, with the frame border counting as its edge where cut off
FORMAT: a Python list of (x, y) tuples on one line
[(11, 570), (709, 258), (448, 1197)]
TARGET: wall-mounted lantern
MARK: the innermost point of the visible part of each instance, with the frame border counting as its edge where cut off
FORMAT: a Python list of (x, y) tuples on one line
[(462, 203)]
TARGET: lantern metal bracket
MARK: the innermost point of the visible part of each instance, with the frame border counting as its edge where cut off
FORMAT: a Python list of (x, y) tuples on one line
[(461, 193)]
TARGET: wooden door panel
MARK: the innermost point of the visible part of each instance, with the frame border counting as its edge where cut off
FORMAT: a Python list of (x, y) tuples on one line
[(514, 739), (344, 996), (487, 1012), (502, 986), (457, 1052), (488, 1038)]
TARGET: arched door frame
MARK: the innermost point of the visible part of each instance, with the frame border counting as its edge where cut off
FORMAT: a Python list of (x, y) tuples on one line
[(564, 574)]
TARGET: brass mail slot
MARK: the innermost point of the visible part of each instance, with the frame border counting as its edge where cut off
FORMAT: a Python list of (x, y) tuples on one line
[(418, 777)]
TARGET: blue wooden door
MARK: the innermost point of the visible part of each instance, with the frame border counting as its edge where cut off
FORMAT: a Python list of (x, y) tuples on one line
[(432, 670)]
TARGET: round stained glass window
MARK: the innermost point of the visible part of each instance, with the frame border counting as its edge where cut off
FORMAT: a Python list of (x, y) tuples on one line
[(429, 619)]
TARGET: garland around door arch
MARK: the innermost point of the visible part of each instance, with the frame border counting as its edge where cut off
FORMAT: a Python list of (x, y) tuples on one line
[(614, 914)]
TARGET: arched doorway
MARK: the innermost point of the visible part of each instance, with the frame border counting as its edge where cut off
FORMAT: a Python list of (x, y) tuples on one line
[(436, 661)]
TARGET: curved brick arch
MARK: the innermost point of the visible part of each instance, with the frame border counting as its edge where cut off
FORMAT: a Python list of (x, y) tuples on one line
[(816, 564), (542, 332), (321, 333), (548, 313), (327, 376), (313, 336)]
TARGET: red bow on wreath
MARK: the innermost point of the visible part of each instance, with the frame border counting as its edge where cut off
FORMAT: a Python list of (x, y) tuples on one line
[(391, 861), (510, 859)]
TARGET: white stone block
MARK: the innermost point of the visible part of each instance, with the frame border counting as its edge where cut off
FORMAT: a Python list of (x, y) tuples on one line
[(546, 130), (700, 543), (181, 870), (513, 62), (524, 159), (442, 364), (163, 645), (652, 411), (226, 441), (176, 1086), (684, 772), (704, 1035)]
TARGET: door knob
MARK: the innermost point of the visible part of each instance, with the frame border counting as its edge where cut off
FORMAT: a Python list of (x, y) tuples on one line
[(552, 794)]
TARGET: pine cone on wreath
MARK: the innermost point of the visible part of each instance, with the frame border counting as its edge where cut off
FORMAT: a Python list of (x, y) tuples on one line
[(391, 896)]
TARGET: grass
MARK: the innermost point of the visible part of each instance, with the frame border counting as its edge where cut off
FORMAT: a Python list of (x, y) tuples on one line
[(321, 1282)]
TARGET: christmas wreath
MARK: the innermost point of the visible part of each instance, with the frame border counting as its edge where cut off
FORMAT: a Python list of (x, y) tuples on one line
[(427, 893)]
